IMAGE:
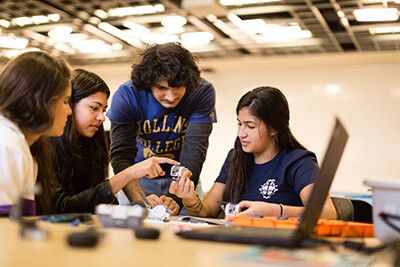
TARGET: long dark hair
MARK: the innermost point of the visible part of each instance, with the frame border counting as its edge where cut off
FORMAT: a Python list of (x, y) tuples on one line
[(29, 85), (170, 62), (270, 106), (71, 147)]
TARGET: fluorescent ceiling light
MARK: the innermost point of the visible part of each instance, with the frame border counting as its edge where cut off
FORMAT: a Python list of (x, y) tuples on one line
[(15, 52), (173, 24), (192, 39), (262, 32), (344, 21), (137, 29), (22, 21), (383, 30), (173, 21), (65, 48), (172, 30), (105, 26), (135, 42), (135, 10), (379, 1), (59, 31), (284, 34), (13, 42), (101, 13), (129, 38), (117, 46), (54, 17), (245, 2), (40, 19), (255, 26), (341, 14), (376, 14), (68, 38), (91, 46), (5, 23), (158, 38)]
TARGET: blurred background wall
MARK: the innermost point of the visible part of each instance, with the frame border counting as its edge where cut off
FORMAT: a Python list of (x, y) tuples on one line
[(362, 89)]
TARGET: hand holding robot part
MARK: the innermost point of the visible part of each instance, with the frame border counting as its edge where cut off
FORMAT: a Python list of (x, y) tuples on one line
[(177, 171)]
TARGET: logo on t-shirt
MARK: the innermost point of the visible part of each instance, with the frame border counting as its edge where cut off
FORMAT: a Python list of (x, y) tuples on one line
[(268, 188)]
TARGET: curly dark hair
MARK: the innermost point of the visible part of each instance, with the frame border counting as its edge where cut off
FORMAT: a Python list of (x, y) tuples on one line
[(166, 62)]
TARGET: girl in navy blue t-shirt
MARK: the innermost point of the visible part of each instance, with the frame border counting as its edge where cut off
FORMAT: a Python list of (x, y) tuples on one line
[(268, 172)]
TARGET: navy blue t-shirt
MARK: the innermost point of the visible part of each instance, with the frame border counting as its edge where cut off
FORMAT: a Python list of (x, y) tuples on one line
[(161, 131), (279, 180)]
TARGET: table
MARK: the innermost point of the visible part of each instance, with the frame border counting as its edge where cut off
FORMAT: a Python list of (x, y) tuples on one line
[(118, 247)]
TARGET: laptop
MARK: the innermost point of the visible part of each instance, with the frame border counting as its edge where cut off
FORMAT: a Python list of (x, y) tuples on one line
[(286, 237)]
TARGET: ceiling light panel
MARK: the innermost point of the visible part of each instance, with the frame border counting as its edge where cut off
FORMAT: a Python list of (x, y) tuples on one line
[(376, 14), (260, 28)]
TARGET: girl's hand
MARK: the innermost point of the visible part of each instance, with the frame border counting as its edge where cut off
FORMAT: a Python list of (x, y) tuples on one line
[(150, 168), (249, 208), (184, 188), (154, 200)]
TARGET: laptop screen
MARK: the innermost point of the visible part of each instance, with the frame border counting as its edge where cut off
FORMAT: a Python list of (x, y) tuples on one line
[(325, 177)]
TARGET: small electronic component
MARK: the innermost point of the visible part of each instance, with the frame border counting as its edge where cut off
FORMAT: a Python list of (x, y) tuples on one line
[(159, 212), (231, 209), (85, 239), (177, 171), (120, 215), (147, 233)]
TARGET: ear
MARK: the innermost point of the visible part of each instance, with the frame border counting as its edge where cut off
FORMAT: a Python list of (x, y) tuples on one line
[(273, 132)]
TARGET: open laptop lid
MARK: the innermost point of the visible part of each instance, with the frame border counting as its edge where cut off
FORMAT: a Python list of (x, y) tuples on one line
[(325, 177)]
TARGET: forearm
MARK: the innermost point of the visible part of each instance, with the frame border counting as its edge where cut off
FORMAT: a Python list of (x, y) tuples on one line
[(123, 145), (85, 201), (134, 192), (293, 211), (123, 152), (121, 179), (329, 211), (286, 211), (201, 208), (194, 149)]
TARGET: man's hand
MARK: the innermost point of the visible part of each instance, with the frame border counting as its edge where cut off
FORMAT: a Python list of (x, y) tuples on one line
[(170, 204), (184, 188), (154, 200)]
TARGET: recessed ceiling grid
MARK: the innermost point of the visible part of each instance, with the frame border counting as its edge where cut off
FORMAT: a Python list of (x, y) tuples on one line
[(325, 26)]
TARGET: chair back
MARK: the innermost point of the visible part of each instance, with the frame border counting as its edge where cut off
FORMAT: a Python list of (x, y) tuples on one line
[(362, 211), (344, 208)]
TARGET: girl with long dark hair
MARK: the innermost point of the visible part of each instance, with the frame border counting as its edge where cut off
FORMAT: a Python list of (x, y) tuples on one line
[(268, 172), (81, 153), (34, 103)]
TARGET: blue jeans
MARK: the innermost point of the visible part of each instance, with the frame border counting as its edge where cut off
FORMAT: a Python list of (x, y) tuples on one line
[(157, 186)]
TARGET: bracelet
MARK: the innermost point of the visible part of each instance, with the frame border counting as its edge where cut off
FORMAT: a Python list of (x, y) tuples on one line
[(282, 211), (194, 204), (195, 208)]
